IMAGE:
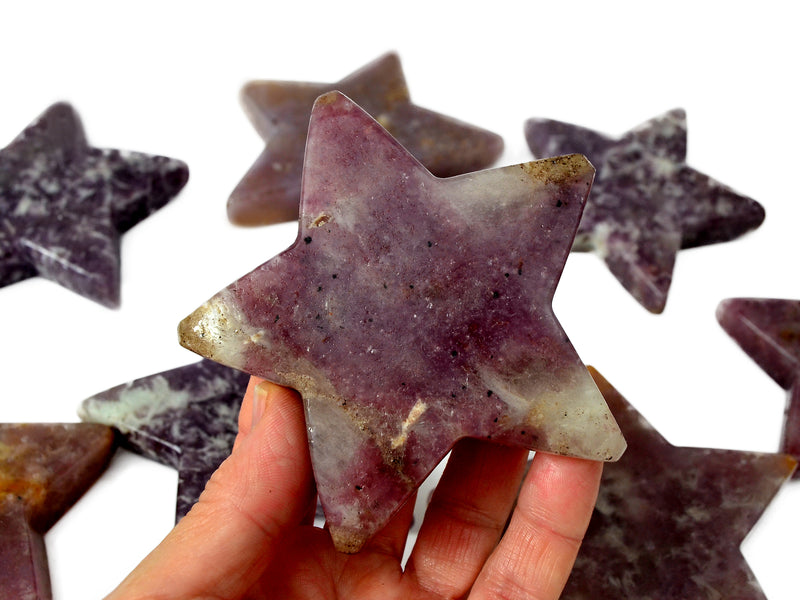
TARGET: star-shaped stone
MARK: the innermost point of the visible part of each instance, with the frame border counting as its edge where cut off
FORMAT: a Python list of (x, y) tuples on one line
[(768, 329), (410, 312), (669, 521), (185, 418), (646, 203), (64, 204), (44, 470), (279, 110)]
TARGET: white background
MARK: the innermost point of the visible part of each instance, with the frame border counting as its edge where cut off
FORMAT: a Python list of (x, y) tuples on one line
[(164, 78)]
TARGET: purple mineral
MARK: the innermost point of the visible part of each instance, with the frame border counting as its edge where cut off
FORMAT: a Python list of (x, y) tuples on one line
[(410, 312)]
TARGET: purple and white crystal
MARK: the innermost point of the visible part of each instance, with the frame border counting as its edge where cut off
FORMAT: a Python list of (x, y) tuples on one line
[(410, 312), (64, 204), (669, 521), (646, 203), (185, 418)]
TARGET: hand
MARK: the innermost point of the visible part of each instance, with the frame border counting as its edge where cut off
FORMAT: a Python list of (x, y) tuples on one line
[(251, 534)]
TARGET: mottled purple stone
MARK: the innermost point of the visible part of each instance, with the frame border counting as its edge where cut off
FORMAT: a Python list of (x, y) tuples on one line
[(646, 202), (279, 110), (44, 469), (64, 204), (768, 330), (410, 312), (185, 418), (669, 521)]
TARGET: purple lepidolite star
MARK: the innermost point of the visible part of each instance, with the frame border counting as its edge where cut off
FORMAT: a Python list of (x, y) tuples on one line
[(186, 418), (410, 312), (44, 469), (768, 329), (646, 203), (64, 204), (669, 521), (279, 110)]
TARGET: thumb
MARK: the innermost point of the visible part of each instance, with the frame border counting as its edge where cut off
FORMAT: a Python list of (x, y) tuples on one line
[(229, 537)]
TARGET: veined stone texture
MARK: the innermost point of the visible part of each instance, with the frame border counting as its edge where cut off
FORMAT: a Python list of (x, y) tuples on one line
[(64, 204), (185, 418), (646, 203), (669, 521)]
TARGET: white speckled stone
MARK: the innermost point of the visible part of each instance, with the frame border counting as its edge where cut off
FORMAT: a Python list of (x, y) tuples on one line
[(64, 204)]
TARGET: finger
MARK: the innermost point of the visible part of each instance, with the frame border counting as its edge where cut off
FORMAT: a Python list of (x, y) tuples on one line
[(537, 552), (229, 537), (391, 540), (246, 412), (466, 516)]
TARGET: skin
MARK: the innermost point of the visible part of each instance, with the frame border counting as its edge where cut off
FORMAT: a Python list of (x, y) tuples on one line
[(251, 534)]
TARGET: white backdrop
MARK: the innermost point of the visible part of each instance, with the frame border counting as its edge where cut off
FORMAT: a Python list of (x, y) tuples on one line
[(164, 78)]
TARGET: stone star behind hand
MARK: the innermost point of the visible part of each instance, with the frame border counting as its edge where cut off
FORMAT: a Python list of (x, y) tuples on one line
[(413, 311), (669, 521), (44, 470), (279, 110), (646, 203), (185, 418), (768, 330), (63, 204)]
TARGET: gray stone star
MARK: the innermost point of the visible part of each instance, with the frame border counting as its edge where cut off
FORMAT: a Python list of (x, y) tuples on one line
[(646, 202), (185, 418), (64, 204)]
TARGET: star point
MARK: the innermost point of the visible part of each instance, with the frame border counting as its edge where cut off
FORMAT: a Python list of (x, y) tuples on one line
[(279, 111), (669, 521), (410, 312), (646, 203), (64, 204), (768, 330), (185, 418), (44, 469)]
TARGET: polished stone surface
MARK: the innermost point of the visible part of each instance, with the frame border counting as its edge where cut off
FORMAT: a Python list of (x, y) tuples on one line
[(279, 110), (64, 204), (768, 330), (44, 470), (646, 203), (412, 311), (669, 521), (186, 418)]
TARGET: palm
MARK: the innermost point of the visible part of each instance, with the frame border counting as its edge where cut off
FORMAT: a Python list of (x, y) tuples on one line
[(250, 535)]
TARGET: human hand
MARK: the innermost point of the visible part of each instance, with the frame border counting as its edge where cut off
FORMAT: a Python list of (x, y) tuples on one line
[(251, 534)]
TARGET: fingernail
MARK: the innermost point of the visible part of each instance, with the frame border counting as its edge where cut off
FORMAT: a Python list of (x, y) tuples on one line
[(261, 395)]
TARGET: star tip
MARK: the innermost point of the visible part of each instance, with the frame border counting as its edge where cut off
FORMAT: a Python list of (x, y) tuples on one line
[(188, 332), (110, 298), (568, 168), (723, 308), (329, 98), (214, 331), (678, 113), (346, 540), (390, 55), (616, 446), (248, 89), (791, 463), (62, 106)]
